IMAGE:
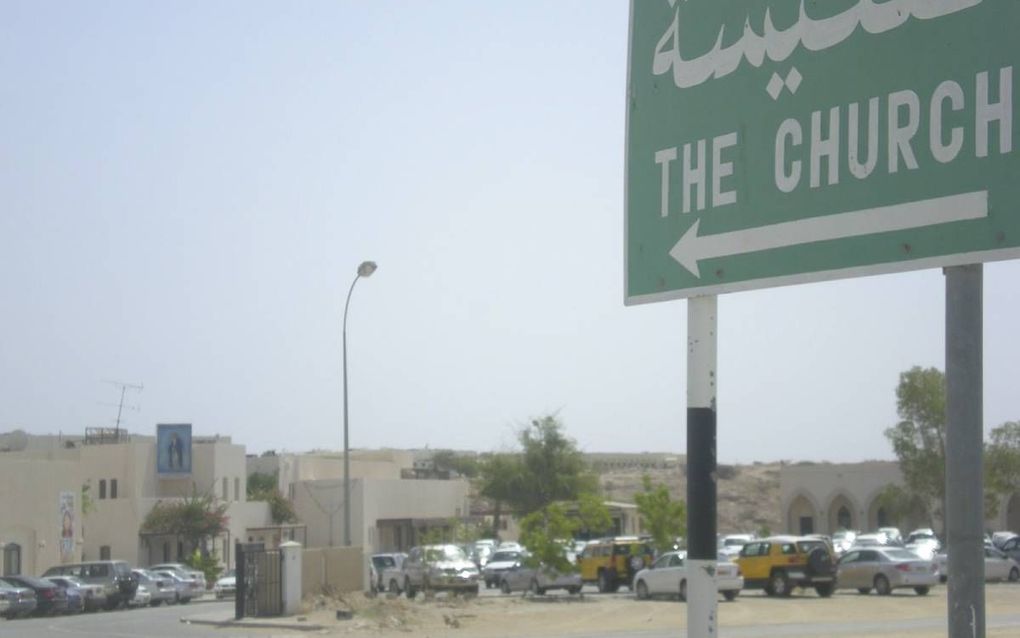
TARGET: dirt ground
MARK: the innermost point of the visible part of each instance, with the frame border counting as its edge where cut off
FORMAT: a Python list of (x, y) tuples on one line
[(497, 616)]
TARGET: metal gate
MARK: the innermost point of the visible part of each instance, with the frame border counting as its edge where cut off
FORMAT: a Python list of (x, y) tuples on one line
[(259, 581)]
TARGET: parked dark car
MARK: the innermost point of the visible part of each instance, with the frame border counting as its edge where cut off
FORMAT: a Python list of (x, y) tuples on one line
[(20, 601), (50, 598)]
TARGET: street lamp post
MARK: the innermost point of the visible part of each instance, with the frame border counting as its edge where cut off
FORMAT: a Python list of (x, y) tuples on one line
[(364, 270)]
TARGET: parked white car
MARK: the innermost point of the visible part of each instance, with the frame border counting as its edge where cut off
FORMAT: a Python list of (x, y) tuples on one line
[(226, 585), (667, 576), (731, 544), (998, 566)]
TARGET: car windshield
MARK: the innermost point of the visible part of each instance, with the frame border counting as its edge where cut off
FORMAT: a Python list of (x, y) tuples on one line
[(505, 556), (901, 554), (731, 542), (808, 546), (383, 561), (5, 584), (447, 552)]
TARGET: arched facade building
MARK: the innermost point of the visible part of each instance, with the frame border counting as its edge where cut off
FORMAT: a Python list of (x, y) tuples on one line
[(821, 498)]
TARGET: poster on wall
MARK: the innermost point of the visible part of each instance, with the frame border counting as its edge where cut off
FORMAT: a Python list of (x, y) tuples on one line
[(173, 448), (66, 526)]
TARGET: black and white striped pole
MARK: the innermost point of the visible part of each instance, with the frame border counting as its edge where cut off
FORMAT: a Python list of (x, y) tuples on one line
[(702, 595)]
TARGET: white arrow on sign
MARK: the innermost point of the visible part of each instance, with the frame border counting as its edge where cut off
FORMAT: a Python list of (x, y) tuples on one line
[(692, 248)]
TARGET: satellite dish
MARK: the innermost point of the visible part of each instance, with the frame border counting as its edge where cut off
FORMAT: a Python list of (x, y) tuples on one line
[(15, 441)]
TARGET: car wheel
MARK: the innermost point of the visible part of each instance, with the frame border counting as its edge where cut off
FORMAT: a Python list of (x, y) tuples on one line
[(922, 591), (504, 587), (488, 584), (409, 588), (641, 589), (780, 583), (683, 591), (1014, 575), (574, 590), (882, 587), (605, 583), (535, 589), (864, 590), (825, 589), (730, 594)]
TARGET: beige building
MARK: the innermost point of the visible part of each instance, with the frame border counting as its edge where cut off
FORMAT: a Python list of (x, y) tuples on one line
[(822, 498), (44, 524), (389, 508)]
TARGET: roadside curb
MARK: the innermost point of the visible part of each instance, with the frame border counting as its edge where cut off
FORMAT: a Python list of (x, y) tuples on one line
[(251, 624)]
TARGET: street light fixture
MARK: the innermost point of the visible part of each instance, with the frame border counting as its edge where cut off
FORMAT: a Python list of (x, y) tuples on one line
[(364, 270)]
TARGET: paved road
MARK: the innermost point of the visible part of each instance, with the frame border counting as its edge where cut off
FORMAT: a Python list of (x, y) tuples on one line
[(157, 622)]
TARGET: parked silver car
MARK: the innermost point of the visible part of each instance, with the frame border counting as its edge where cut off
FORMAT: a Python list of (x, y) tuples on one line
[(500, 561), (161, 588), (194, 577), (439, 567), (183, 589), (885, 569), (538, 580)]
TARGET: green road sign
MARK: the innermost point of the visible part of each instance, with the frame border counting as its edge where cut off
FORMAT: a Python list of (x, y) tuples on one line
[(772, 142)]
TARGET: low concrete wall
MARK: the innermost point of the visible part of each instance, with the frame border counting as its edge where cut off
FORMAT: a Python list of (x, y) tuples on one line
[(337, 569)]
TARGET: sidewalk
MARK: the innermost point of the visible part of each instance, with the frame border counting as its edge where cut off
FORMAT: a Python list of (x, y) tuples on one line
[(226, 619)]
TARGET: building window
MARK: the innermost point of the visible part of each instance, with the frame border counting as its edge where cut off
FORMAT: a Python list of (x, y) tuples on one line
[(102, 488), (166, 551), (843, 517), (180, 550), (104, 552), (237, 489), (113, 488), (224, 488), (12, 559)]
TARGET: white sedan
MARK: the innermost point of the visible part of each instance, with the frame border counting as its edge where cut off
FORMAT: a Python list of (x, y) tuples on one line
[(667, 576), (998, 566)]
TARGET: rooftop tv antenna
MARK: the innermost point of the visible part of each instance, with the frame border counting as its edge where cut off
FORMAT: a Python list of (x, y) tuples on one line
[(124, 387)]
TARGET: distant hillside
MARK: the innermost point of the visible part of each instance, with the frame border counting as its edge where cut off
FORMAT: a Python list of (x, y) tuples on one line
[(748, 494)]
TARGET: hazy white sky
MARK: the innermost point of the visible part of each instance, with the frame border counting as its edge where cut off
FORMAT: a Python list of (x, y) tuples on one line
[(187, 189)]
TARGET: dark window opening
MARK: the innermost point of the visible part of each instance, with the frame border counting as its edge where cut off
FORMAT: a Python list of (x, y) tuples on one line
[(102, 488), (12, 559), (113, 488), (104, 553), (843, 517)]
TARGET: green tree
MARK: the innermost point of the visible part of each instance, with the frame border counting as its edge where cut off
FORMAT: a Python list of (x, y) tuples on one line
[(919, 439), (1002, 465), (664, 518), (261, 482), (264, 487), (594, 515), (208, 564), (194, 519), (553, 469), (500, 477), (547, 533)]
